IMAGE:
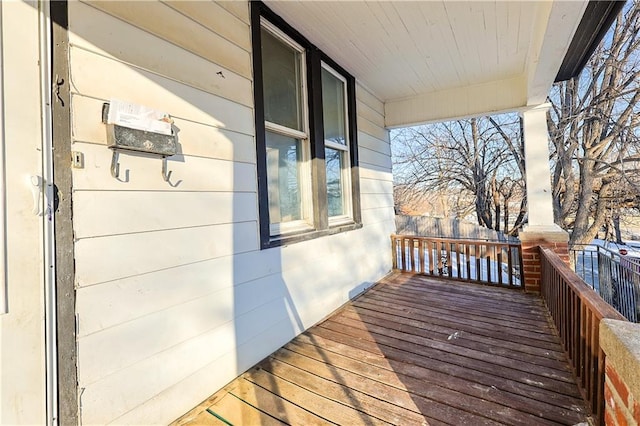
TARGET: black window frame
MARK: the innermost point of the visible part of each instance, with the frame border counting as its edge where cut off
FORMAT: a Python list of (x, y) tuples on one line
[(314, 59)]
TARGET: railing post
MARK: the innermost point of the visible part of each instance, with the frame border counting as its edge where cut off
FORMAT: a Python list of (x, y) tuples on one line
[(394, 253), (532, 240)]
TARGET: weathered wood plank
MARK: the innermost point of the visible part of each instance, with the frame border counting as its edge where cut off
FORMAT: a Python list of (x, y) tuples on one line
[(368, 408), (452, 343), (384, 355), (506, 331), (322, 404), (389, 357), (237, 412), (464, 394), (440, 406), (470, 357), (274, 405), (205, 418), (470, 333), (484, 311)]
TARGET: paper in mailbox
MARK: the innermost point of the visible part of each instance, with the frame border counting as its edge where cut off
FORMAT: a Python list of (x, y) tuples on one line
[(139, 117)]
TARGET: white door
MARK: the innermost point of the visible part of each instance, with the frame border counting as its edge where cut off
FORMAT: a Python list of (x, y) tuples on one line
[(22, 319)]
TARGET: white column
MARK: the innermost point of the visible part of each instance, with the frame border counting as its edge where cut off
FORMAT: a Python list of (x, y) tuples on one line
[(536, 155)]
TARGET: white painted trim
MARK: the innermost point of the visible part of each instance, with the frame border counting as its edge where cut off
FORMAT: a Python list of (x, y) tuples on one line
[(461, 102), (542, 107), (48, 218), (285, 131), (284, 228), (3, 205), (345, 95), (335, 145), (543, 229), (555, 25)]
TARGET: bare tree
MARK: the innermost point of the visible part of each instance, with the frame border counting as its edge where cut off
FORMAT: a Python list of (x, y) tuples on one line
[(478, 163), (593, 128)]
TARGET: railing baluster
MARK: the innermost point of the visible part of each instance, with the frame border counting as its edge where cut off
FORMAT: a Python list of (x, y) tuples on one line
[(431, 257), (464, 260), (510, 265), (412, 257), (478, 262), (499, 263), (576, 311), (468, 260), (487, 251), (449, 254)]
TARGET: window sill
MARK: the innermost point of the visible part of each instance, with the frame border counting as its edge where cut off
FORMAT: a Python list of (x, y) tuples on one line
[(286, 239)]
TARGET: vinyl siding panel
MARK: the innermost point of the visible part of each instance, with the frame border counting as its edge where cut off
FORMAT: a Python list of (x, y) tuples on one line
[(174, 297), (111, 37), (162, 21)]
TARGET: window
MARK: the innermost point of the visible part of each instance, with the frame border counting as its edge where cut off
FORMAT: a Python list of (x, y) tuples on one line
[(286, 132), (305, 135), (336, 144)]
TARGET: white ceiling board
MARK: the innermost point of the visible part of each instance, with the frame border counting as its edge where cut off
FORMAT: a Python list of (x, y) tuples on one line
[(404, 50), (460, 102)]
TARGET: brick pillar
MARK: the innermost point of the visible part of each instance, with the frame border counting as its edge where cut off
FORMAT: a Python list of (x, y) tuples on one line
[(554, 239), (620, 341)]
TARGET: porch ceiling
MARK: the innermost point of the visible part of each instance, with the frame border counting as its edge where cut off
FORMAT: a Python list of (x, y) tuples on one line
[(437, 60)]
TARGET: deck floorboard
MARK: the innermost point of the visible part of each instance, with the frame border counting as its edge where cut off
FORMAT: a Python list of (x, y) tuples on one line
[(412, 350)]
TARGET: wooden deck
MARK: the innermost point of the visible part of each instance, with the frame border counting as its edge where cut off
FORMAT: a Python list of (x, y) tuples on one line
[(410, 351)]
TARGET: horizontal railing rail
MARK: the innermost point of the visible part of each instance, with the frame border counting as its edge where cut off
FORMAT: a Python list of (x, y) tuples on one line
[(576, 311), (614, 276), (493, 263)]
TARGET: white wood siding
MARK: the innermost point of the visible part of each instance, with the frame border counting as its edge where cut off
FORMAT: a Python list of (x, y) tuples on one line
[(174, 297)]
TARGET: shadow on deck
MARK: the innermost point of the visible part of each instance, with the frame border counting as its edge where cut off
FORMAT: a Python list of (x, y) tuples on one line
[(412, 350)]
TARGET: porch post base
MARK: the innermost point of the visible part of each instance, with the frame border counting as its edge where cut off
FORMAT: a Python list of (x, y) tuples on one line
[(534, 237)]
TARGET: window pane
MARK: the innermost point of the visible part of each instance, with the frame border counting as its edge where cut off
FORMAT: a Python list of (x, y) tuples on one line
[(335, 192), (284, 156), (281, 76), (333, 108)]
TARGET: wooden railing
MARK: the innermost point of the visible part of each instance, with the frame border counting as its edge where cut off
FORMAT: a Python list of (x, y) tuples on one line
[(576, 311), (494, 263)]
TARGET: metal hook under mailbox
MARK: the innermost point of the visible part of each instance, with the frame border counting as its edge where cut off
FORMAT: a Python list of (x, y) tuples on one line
[(115, 167), (166, 176)]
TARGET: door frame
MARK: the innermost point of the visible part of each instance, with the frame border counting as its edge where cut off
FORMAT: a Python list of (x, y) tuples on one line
[(64, 278)]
